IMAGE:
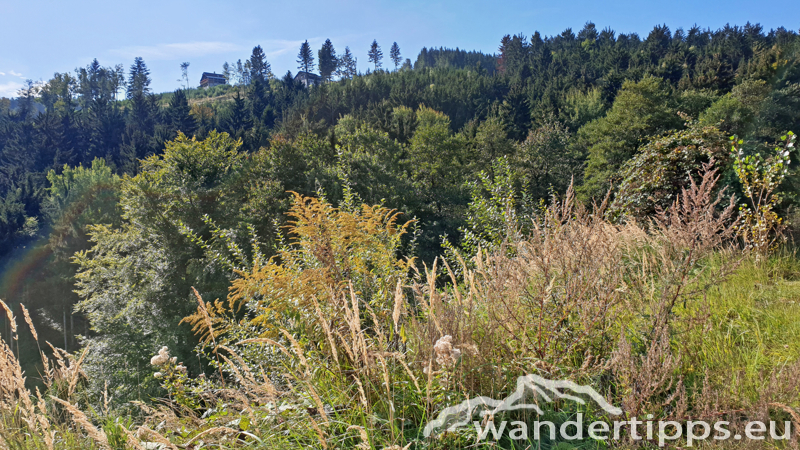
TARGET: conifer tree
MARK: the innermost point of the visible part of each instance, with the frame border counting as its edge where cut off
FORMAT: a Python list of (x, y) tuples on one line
[(327, 60), (375, 54), (305, 58), (347, 65), (179, 116), (394, 54), (259, 66), (238, 119), (139, 78)]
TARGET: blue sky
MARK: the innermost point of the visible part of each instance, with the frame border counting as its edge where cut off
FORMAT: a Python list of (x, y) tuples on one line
[(42, 37)]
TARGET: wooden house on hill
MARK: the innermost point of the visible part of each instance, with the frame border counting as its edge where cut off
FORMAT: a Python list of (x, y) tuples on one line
[(308, 79), (211, 79)]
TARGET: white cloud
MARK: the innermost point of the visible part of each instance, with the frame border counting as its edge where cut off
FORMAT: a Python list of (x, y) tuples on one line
[(165, 52), (277, 47), (2, 73), (15, 74), (10, 89)]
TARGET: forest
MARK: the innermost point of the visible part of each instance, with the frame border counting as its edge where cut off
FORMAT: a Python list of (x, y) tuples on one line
[(266, 264)]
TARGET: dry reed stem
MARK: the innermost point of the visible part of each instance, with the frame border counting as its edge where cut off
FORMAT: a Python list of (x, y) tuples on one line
[(44, 423), (364, 445), (132, 440), (327, 329), (362, 394), (307, 374), (434, 296), (29, 322), (299, 352), (389, 396), (233, 367), (10, 314), (211, 431), (399, 357), (206, 316), (248, 375), (377, 327), (399, 305), (75, 368), (266, 341), (320, 433), (80, 418), (350, 352), (143, 430)]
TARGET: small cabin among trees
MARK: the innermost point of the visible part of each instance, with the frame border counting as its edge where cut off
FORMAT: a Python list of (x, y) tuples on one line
[(308, 79), (211, 79)]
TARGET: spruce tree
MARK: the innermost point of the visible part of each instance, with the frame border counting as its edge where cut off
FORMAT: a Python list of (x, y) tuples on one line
[(305, 58), (347, 65), (394, 54), (260, 68), (327, 60), (375, 54), (139, 78), (179, 114), (259, 97), (238, 119)]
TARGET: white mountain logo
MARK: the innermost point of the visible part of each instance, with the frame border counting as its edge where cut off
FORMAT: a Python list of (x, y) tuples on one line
[(528, 386)]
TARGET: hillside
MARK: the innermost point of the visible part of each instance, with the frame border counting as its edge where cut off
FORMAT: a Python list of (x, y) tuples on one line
[(569, 202)]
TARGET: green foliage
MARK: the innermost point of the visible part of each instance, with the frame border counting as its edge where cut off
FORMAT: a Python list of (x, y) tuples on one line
[(640, 110), (491, 143), (375, 54), (305, 59), (347, 65), (734, 112), (546, 162), (581, 108), (330, 251), (135, 282), (373, 164), (492, 216), (694, 102), (260, 68), (328, 62), (138, 79), (761, 177), (179, 112), (653, 179), (394, 55), (549, 106)]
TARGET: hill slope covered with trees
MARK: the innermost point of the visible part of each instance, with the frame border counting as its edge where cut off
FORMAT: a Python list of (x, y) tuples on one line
[(118, 214)]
